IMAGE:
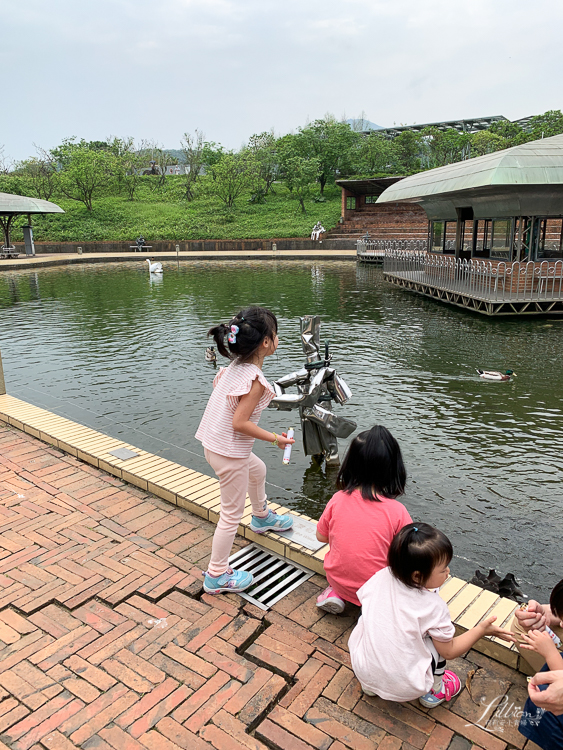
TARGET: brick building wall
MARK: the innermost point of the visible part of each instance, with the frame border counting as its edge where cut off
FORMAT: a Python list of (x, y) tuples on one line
[(394, 221)]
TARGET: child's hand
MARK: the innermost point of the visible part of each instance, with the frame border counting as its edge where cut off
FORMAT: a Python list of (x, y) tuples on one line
[(283, 440), (489, 629), (532, 617), (540, 642)]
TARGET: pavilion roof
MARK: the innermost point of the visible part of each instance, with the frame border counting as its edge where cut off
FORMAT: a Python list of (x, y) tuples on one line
[(21, 204), (368, 186), (534, 163)]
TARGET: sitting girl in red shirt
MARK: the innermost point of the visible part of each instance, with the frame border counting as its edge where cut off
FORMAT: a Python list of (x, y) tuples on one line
[(361, 519)]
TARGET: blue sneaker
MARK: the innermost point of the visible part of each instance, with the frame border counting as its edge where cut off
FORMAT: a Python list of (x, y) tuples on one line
[(272, 522), (231, 581)]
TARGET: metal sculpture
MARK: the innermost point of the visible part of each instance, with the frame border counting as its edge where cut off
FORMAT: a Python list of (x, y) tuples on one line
[(318, 385)]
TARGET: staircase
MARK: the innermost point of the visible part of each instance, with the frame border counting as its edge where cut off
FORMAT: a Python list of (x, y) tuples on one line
[(385, 221)]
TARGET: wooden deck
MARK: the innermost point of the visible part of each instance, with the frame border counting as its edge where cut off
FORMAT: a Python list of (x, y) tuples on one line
[(489, 301)]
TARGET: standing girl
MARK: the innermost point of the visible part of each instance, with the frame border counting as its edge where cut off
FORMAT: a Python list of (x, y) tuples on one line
[(405, 634), (360, 521), (227, 432)]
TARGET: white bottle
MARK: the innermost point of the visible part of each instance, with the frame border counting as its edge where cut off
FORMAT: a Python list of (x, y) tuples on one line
[(287, 449)]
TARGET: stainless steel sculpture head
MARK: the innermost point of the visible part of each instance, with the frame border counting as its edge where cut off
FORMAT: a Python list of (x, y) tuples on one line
[(318, 385)]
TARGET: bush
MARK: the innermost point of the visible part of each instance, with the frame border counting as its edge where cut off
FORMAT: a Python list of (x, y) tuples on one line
[(165, 215)]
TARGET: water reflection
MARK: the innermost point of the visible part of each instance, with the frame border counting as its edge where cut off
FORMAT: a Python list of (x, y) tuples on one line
[(111, 348)]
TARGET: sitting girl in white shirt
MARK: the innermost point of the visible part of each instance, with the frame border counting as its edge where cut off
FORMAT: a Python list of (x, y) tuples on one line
[(405, 634)]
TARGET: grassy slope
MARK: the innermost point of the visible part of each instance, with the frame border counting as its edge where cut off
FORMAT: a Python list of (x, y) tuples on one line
[(162, 215)]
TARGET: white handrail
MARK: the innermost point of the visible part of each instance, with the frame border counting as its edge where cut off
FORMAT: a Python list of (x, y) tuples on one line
[(377, 248), (498, 281)]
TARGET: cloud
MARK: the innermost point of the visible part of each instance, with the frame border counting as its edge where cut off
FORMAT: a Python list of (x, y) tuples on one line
[(232, 68)]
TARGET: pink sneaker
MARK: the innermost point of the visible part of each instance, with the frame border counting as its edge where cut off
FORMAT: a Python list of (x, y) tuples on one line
[(451, 686), (330, 601)]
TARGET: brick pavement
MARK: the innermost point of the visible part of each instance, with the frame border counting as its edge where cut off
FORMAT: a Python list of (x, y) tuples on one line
[(107, 641)]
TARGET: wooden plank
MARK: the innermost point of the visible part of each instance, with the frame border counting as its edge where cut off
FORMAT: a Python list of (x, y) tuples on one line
[(477, 610), (462, 600), (194, 485), (504, 610), (139, 465), (451, 587), (100, 443), (167, 472)]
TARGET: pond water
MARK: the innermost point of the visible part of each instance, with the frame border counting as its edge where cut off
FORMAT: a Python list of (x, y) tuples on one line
[(109, 347)]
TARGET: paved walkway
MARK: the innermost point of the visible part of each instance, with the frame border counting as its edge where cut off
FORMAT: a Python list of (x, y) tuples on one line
[(108, 642), (57, 259)]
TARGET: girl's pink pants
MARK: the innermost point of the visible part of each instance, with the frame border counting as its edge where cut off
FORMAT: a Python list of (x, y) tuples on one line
[(237, 477)]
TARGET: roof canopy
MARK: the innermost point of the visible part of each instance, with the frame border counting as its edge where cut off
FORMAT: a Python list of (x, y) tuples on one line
[(370, 186), (20, 204), (517, 181)]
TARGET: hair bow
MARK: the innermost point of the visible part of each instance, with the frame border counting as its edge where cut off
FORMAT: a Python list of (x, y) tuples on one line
[(232, 338)]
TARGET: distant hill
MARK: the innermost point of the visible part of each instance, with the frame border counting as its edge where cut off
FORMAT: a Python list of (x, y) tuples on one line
[(357, 123), (177, 154)]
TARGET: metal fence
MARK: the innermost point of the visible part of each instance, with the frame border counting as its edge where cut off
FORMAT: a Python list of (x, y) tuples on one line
[(378, 248), (527, 281)]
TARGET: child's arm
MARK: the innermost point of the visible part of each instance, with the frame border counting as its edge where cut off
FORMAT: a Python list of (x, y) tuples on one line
[(243, 412), (541, 643), (321, 537), (462, 643)]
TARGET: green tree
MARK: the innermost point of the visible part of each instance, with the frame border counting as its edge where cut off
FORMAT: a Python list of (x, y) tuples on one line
[(212, 155), (409, 146), (162, 159), (484, 142), (193, 150), (546, 125), (333, 144), (263, 146), (301, 173), (376, 154), (234, 174), (131, 161), (41, 174), (443, 147), (86, 173), (511, 132)]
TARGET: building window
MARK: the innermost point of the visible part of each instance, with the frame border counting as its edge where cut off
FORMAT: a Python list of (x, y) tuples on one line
[(450, 231), (550, 239), (371, 199), (482, 237), (437, 244), (500, 239), (350, 204)]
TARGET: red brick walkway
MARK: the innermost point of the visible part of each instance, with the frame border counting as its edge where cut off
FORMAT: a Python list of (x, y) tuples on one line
[(108, 642)]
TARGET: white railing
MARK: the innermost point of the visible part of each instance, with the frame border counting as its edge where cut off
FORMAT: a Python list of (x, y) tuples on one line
[(378, 248), (526, 281)]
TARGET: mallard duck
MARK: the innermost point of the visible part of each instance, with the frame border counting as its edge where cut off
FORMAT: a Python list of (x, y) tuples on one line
[(154, 267), (210, 355), (507, 587), (494, 375)]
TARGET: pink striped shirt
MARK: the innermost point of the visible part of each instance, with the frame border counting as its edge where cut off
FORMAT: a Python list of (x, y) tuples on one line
[(215, 430)]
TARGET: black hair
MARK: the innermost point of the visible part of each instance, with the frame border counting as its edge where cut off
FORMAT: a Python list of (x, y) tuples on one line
[(254, 324), (373, 464), (418, 548), (556, 600)]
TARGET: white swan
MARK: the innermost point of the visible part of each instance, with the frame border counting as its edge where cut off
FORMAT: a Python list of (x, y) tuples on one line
[(154, 267)]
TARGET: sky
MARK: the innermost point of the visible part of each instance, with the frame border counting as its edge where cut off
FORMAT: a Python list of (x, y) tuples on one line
[(230, 68)]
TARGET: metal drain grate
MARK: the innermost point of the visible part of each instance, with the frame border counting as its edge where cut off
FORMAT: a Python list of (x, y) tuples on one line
[(274, 575)]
